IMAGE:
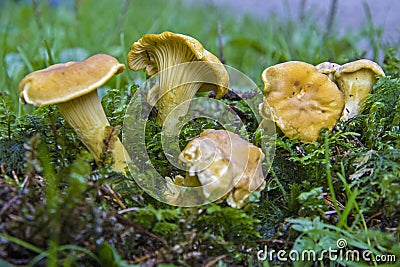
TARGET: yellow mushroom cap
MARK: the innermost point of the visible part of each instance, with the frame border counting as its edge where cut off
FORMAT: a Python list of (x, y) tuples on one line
[(173, 49), (301, 100), (357, 65), (225, 163), (356, 80), (66, 81)]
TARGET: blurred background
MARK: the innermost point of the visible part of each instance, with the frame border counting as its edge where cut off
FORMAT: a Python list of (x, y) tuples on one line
[(343, 15), (247, 35)]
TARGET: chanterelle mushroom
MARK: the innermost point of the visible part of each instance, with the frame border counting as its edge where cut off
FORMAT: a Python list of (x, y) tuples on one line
[(224, 162), (72, 86), (356, 80), (301, 100), (162, 53), (328, 68)]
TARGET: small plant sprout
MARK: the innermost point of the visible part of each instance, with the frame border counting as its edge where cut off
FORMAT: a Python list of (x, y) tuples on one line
[(165, 54), (301, 100), (356, 80), (224, 162), (72, 86)]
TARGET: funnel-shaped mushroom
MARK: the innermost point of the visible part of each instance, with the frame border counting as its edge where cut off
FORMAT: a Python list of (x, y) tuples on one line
[(73, 87), (225, 163), (301, 100), (163, 53), (356, 80)]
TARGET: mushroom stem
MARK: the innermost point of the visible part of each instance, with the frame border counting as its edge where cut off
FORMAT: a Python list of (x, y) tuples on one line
[(86, 115), (356, 87), (178, 85)]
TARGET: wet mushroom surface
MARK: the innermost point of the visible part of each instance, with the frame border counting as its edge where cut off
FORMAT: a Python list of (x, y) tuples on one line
[(225, 164), (72, 86), (302, 101), (169, 55), (356, 80)]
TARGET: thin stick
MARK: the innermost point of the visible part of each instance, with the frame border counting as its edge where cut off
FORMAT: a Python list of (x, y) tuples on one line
[(220, 45), (303, 10), (36, 10), (331, 18), (116, 199)]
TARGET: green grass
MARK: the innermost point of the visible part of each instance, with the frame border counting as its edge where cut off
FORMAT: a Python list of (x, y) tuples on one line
[(101, 27), (54, 199)]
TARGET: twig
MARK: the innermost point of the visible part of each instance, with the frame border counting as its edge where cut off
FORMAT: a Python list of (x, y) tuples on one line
[(115, 197), (235, 96), (331, 18), (220, 44), (357, 140), (14, 175), (142, 258), (214, 261), (8, 204), (329, 23), (330, 202), (127, 210), (36, 10), (303, 10), (242, 115), (2, 169)]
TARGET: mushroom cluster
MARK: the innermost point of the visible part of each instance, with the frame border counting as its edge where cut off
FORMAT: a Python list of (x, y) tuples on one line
[(299, 97), (165, 54), (72, 86), (300, 100), (221, 162), (225, 165)]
